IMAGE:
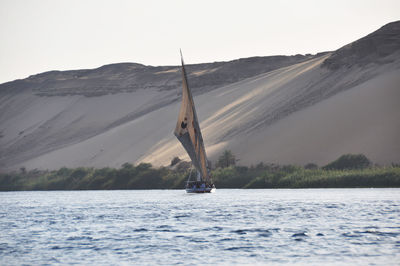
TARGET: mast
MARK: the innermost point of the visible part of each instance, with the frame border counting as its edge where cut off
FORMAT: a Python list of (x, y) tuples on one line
[(188, 131)]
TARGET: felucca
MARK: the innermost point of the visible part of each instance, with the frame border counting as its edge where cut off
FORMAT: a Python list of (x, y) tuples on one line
[(188, 132)]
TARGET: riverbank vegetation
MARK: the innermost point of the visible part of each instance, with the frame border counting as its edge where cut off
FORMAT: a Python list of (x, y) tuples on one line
[(348, 171)]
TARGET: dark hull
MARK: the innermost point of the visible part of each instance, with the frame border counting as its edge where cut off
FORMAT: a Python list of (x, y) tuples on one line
[(200, 190)]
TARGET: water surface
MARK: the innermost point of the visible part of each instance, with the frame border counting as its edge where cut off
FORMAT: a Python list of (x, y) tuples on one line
[(281, 226)]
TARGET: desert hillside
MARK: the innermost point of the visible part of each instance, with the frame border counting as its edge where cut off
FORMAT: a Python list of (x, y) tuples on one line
[(282, 109)]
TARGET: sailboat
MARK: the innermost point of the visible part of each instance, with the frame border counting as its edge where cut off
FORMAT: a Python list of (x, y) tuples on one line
[(188, 132)]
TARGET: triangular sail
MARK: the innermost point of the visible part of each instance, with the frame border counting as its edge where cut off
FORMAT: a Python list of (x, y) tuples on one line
[(188, 132)]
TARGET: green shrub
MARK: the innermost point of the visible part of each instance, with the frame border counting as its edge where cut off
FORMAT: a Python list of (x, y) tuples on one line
[(347, 171), (349, 161)]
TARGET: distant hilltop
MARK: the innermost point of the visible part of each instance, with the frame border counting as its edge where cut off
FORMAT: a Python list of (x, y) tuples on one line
[(375, 48), (130, 77), (276, 109)]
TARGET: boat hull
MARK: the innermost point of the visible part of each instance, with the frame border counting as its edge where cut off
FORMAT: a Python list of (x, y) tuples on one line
[(200, 190)]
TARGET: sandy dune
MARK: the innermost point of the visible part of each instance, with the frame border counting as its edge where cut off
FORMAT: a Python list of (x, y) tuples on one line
[(313, 110), (247, 117), (364, 120)]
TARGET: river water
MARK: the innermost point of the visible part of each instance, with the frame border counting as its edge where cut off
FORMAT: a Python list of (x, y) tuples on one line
[(167, 227)]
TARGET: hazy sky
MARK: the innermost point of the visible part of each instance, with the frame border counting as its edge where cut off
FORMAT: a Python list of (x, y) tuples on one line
[(43, 35)]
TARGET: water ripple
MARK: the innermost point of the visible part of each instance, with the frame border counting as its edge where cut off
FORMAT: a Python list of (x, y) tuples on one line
[(165, 227)]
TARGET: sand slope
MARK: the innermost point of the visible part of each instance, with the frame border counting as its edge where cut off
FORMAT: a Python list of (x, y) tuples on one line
[(313, 110), (364, 120), (261, 119)]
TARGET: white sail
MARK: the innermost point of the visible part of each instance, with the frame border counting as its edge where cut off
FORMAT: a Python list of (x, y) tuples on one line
[(188, 132)]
